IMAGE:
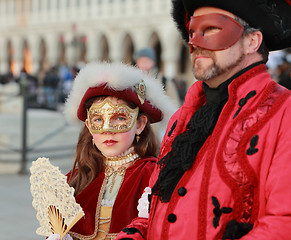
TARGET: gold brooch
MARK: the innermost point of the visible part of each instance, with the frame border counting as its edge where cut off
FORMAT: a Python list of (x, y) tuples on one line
[(140, 91), (120, 171)]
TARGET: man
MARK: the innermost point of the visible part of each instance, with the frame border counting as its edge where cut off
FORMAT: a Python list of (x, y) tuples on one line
[(224, 167)]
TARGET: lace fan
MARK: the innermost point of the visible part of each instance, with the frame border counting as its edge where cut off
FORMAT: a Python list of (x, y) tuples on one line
[(53, 199)]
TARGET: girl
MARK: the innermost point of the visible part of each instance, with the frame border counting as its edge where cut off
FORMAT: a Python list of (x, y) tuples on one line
[(117, 148)]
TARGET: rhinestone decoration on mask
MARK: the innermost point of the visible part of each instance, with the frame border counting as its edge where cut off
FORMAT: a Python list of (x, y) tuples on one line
[(108, 117), (126, 157)]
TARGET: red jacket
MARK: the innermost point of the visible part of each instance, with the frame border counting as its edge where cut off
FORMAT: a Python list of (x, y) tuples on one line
[(241, 173), (125, 207)]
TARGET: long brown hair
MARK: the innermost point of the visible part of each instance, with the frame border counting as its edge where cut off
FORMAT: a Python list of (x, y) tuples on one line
[(89, 161)]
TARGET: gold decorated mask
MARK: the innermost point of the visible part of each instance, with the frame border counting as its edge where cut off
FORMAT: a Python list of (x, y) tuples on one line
[(108, 117)]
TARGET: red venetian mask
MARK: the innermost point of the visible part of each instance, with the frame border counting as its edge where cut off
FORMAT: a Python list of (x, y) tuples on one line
[(213, 32)]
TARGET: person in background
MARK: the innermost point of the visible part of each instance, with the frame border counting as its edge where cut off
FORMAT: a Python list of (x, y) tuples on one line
[(224, 166), (66, 81), (274, 61), (28, 81), (146, 61), (51, 89), (116, 150), (285, 72)]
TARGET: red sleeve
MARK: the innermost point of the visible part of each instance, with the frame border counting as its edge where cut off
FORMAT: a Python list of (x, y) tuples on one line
[(275, 221), (136, 230)]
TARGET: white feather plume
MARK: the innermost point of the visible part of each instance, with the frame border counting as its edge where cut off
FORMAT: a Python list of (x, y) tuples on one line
[(117, 76)]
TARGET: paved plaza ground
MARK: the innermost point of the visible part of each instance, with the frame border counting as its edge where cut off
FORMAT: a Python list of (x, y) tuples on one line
[(46, 130)]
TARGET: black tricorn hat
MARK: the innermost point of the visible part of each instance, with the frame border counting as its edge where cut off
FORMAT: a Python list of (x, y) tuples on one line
[(272, 17)]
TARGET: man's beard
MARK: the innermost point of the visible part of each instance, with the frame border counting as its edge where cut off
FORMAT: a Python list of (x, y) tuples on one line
[(213, 70)]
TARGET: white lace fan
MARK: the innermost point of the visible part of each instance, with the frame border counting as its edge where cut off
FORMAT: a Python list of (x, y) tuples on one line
[(53, 199)]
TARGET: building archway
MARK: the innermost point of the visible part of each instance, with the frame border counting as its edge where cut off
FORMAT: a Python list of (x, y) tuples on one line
[(43, 63), (83, 49), (26, 60), (104, 49), (10, 58), (62, 50), (155, 43), (183, 65), (128, 49)]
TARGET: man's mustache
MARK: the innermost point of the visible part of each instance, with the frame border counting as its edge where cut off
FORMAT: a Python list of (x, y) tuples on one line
[(199, 51)]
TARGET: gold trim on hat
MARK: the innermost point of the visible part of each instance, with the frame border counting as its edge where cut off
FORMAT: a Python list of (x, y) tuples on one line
[(140, 89)]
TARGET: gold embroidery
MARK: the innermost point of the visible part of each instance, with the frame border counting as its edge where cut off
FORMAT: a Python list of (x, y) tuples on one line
[(109, 171), (104, 222), (97, 215)]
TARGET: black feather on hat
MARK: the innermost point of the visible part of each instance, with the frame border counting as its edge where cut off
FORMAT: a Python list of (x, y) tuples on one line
[(180, 17), (272, 17)]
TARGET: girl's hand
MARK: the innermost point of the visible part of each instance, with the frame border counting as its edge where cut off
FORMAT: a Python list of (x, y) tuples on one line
[(57, 237)]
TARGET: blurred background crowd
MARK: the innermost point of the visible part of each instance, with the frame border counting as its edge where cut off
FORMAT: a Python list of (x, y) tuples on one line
[(46, 42), (279, 66), (51, 89), (47, 91)]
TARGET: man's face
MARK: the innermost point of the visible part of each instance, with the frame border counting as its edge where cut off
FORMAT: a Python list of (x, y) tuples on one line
[(215, 66)]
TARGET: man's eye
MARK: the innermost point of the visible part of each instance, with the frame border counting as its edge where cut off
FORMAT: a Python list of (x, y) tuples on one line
[(211, 30), (191, 34)]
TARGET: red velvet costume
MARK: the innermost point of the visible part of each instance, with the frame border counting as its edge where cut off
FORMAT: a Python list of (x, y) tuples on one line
[(243, 165), (124, 210)]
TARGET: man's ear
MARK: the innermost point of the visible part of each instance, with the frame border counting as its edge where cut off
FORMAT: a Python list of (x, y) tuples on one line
[(141, 123), (253, 42)]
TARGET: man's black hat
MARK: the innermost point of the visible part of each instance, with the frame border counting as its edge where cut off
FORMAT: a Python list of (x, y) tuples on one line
[(272, 17)]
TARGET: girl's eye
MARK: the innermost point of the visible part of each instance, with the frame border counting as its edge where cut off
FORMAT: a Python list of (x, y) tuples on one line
[(119, 118), (97, 120)]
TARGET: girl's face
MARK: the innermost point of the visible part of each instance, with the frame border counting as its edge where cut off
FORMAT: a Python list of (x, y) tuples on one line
[(106, 120)]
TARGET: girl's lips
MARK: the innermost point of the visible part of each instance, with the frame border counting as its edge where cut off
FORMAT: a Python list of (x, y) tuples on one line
[(109, 142)]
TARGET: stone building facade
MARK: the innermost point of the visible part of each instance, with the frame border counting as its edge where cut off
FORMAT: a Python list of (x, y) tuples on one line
[(37, 34)]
